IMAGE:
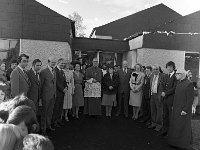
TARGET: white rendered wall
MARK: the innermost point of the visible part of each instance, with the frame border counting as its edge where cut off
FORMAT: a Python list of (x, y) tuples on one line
[(131, 57), (42, 50), (147, 56)]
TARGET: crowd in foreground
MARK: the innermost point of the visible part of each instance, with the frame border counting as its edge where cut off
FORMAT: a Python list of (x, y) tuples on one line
[(163, 101)]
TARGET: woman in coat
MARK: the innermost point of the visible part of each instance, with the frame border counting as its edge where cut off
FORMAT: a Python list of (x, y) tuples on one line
[(110, 84), (136, 83)]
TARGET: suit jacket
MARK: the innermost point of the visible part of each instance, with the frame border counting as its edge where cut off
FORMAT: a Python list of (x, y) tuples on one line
[(34, 91), (60, 82), (19, 82), (48, 84), (169, 87), (159, 85), (124, 78), (8, 73), (107, 81), (147, 87)]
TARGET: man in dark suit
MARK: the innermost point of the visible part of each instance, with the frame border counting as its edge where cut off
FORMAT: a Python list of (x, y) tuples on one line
[(169, 87), (124, 88), (48, 94), (156, 81), (146, 96), (19, 80), (61, 89), (33, 75)]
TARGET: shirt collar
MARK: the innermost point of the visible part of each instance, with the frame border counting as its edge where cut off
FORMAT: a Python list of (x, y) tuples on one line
[(34, 71), (50, 68), (21, 68), (172, 73), (59, 68)]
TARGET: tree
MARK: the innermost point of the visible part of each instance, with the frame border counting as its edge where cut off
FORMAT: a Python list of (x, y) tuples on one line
[(79, 27)]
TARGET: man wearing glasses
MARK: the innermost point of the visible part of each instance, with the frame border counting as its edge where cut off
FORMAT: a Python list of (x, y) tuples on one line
[(19, 80)]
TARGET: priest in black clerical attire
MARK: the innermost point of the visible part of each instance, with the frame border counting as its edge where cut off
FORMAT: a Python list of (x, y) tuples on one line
[(92, 104), (180, 131)]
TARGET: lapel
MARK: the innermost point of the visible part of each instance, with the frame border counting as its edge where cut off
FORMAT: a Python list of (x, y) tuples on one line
[(50, 73), (23, 74), (159, 78), (34, 77)]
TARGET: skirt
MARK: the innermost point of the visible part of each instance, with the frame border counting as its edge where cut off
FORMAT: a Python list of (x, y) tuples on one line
[(109, 100)]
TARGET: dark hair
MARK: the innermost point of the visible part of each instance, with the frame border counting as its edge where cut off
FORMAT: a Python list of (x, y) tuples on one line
[(35, 61), (20, 57), (14, 61), (60, 59), (109, 66), (32, 141), (19, 100), (3, 116), (172, 64), (75, 63), (23, 114), (160, 70), (149, 67)]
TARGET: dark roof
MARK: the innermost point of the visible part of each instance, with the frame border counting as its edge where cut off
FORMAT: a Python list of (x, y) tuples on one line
[(145, 20), (28, 19), (92, 44), (187, 42)]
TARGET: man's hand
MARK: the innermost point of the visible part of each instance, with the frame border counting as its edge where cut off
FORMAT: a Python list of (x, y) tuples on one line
[(65, 89), (163, 94), (110, 87), (183, 113), (94, 80)]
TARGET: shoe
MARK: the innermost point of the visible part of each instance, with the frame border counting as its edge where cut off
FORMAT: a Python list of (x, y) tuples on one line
[(163, 133), (117, 114), (60, 123), (56, 125), (148, 124), (157, 129), (76, 116), (51, 129), (66, 118), (126, 116), (151, 127)]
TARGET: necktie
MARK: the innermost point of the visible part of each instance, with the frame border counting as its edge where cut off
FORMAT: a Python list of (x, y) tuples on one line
[(38, 76), (124, 70)]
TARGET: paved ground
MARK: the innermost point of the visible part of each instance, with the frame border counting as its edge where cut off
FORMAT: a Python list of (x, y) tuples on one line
[(117, 133), (102, 133)]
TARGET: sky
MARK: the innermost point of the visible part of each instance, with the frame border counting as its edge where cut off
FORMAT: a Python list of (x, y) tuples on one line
[(99, 12)]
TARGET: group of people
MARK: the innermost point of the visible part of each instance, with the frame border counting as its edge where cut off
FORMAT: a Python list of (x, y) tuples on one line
[(162, 101)]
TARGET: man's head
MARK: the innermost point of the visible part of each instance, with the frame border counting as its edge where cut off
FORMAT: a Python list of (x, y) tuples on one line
[(13, 64), (170, 66), (61, 63), (148, 70), (24, 117), (32, 141), (156, 69), (52, 62), (181, 74), (23, 60), (37, 64), (125, 64), (95, 62)]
